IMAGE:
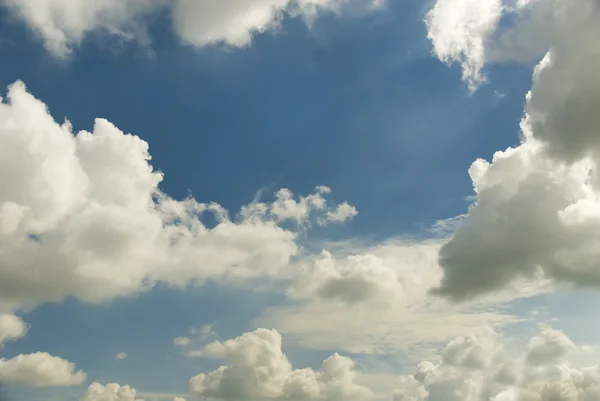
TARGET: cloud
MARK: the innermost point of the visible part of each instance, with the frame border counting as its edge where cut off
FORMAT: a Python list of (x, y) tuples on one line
[(459, 30), (375, 299), (258, 369), (120, 356), (178, 399), (110, 392), (342, 213), (474, 368), (537, 207), (40, 370), (181, 341), (286, 207), (11, 328), (64, 24), (383, 274), (87, 207)]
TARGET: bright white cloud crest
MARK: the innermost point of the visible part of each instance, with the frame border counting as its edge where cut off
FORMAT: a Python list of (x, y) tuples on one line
[(40, 370), (110, 392), (11, 327), (477, 368), (258, 370)]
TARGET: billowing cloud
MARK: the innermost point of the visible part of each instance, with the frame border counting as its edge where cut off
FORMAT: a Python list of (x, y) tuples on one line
[(63, 24), (537, 207), (86, 209), (11, 327), (110, 392), (474, 368), (258, 370), (40, 370), (384, 274), (459, 30), (376, 300), (342, 213)]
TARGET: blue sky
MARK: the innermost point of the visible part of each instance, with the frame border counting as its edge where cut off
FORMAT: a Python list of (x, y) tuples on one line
[(358, 101)]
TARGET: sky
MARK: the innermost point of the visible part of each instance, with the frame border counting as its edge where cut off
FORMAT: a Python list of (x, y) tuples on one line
[(304, 200)]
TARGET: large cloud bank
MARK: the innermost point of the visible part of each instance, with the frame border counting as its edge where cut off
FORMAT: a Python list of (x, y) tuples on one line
[(537, 208), (82, 215)]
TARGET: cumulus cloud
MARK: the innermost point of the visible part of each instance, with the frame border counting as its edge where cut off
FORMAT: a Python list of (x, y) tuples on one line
[(475, 368), (342, 213), (40, 370), (384, 274), (11, 327), (110, 392), (288, 207), (86, 209), (459, 29), (121, 355), (63, 24), (375, 299), (258, 369), (536, 212)]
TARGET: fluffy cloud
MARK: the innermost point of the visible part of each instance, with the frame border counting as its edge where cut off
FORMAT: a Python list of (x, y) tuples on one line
[(537, 208), (477, 368), (376, 300), (341, 214), (86, 210), (110, 392), (121, 355), (459, 30), (63, 24), (384, 274), (258, 369), (287, 208), (11, 327), (40, 370)]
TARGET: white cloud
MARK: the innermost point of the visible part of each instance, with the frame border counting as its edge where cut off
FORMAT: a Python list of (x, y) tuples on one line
[(475, 368), (11, 327), (376, 300), (258, 370), (342, 213), (110, 392), (551, 346), (383, 274), (87, 207), (181, 341), (63, 24), (121, 355), (533, 217), (40, 370), (178, 399), (537, 209), (459, 30)]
